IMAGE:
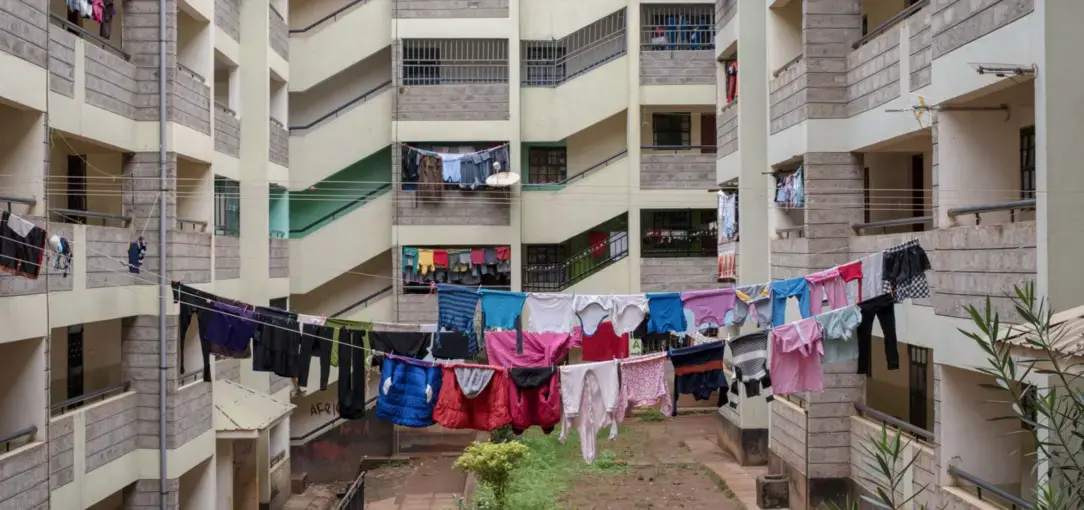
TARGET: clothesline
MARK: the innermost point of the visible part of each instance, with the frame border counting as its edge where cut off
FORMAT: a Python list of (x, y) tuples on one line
[(438, 154)]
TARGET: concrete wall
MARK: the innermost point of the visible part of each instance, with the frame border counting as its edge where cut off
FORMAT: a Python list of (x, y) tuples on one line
[(873, 72), (828, 29), (62, 62), (142, 44), (921, 48), (450, 9), (111, 82), (279, 152), (228, 369), (228, 17), (277, 35), (958, 22), (107, 259), (726, 130), (452, 102), (682, 67), (416, 309), (787, 97), (833, 182), (23, 32), (61, 451), (24, 477), (673, 274), (191, 102), (190, 256), (227, 257), (110, 430), (227, 132)]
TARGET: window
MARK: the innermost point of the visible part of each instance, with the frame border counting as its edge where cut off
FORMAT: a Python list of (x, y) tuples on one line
[(919, 390), (75, 362), (421, 65), (548, 165), (679, 233), (1027, 162), (671, 129), (865, 194), (544, 64), (544, 269), (227, 207)]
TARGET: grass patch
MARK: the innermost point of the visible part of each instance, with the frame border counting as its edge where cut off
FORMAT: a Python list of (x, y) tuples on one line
[(551, 468), (651, 414)]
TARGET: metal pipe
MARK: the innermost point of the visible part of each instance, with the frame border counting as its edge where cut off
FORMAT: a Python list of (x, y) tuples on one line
[(163, 284)]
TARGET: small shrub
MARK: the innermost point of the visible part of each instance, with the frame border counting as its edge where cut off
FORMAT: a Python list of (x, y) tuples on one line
[(493, 465), (502, 435)]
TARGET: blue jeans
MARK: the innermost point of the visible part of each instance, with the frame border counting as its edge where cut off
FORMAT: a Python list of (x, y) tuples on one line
[(783, 289)]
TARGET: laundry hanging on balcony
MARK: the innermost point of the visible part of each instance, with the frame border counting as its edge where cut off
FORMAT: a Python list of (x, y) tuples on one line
[(487, 267), (790, 189), (22, 246), (430, 172), (101, 11), (731, 71)]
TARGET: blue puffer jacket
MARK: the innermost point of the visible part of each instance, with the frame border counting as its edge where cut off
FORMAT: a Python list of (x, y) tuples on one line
[(408, 391)]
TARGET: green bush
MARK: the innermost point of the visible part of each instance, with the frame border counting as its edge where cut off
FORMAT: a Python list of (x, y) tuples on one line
[(493, 464)]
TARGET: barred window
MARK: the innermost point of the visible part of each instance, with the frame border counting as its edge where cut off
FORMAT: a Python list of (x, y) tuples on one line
[(227, 207), (548, 165), (671, 129)]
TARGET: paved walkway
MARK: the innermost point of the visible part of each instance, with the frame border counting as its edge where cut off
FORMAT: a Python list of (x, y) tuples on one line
[(741, 480), (439, 501)]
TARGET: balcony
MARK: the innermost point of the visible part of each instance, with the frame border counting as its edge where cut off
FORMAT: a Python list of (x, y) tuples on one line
[(569, 83), (678, 259), (277, 36), (279, 153), (546, 271), (556, 211), (25, 38), (677, 45), (677, 167), (452, 206), (361, 25), (24, 469), (452, 80), (227, 131), (726, 26)]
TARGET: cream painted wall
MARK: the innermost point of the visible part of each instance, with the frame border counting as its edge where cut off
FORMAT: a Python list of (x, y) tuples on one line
[(364, 30), (784, 34), (596, 143), (101, 358), (195, 45), (22, 156), (879, 11), (224, 473), (196, 186), (197, 490), (553, 19), (979, 154), (103, 170), (890, 184), (22, 403), (279, 101), (341, 88), (314, 410), (967, 433), (347, 288)]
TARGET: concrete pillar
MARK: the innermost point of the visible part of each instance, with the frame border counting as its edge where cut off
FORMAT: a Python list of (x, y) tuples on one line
[(1059, 121), (143, 202), (829, 27), (632, 134), (934, 169), (255, 76), (139, 36), (139, 364), (515, 144), (833, 202), (144, 495), (754, 249), (263, 467)]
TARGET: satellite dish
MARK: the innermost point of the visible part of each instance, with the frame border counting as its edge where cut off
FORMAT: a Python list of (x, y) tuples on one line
[(502, 179)]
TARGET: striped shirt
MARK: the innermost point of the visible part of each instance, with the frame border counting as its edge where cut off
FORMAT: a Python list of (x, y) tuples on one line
[(455, 311)]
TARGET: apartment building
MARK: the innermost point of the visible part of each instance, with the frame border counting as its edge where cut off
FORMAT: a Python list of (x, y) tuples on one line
[(950, 122), (80, 412), (606, 109)]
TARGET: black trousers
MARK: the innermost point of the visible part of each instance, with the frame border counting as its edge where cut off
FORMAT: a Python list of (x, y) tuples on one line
[(883, 309), (316, 341), (351, 374)]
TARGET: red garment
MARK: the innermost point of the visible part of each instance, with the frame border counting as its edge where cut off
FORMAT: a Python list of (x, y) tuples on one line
[(605, 345), (852, 271), (598, 241), (487, 411), (504, 253), (534, 398), (440, 258), (477, 256)]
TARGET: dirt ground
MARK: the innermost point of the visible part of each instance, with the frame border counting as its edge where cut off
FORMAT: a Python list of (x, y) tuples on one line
[(423, 475), (663, 473)]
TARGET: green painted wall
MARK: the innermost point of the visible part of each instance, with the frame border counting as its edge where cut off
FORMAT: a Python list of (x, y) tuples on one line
[(339, 190)]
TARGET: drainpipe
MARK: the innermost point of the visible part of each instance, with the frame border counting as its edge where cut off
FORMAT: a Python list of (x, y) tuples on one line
[(163, 175)]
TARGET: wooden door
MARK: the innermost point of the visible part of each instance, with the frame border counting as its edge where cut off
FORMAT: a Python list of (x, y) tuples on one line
[(707, 133)]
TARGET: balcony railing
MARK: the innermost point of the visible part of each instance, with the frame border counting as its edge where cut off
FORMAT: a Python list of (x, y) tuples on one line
[(200, 225), (14, 199), (79, 216), (893, 21), (364, 96), (790, 63), (979, 210), (987, 491), (363, 302), (25, 436), (550, 63), (920, 433), (661, 243), (346, 208), (82, 400), (785, 233), (569, 180), (334, 15), (190, 377), (354, 499), (557, 277), (677, 27), (454, 61), (884, 225), (90, 37)]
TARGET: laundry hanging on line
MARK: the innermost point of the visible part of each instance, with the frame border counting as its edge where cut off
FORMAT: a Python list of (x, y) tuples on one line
[(431, 171)]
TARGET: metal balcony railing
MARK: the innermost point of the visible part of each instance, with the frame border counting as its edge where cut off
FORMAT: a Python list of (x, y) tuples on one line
[(454, 61), (363, 302), (26, 435), (920, 433), (893, 21), (364, 96), (333, 15), (677, 27), (90, 37), (557, 277), (661, 243), (97, 395), (551, 63), (989, 492), (13, 199), (884, 225), (80, 216), (979, 210)]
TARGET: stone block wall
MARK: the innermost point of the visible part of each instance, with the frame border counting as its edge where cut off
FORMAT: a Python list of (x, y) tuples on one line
[(23, 30), (48, 279), (139, 364), (829, 28), (228, 17), (675, 274), (833, 202), (790, 258), (61, 451), (278, 258), (190, 413), (62, 62), (111, 82), (726, 130), (190, 256), (227, 132), (450, 9), (474, 101), (829, 420), (787, 434), (228, 369), (677, 171), (417, 309), (455, 207), (787, 97), (227, 257), (110, 431), (145, 495), (725, 10), (278, 383), (107, 259), (921, 48), (873, 72), (24, 478), (191, 99), (139, 33), (279, 151), (681, 67), (957, 22), (278, 36)]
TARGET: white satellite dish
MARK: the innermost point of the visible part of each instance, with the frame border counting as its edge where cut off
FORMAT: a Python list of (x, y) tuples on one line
[(502, 179)]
